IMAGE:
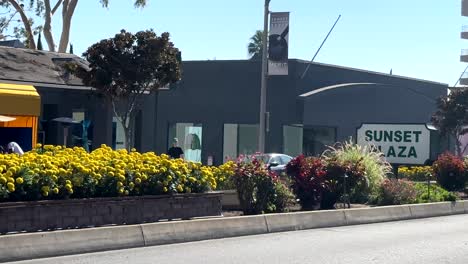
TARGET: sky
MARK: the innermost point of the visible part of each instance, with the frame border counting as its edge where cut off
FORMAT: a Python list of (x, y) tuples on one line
[(414, 38)]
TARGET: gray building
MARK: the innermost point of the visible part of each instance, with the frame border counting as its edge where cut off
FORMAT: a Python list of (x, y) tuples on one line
[(214, 109), (218, 102)]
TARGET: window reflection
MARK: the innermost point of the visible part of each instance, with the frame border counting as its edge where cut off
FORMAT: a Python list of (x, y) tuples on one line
[(310, 141), (189, 136), (239, 139)]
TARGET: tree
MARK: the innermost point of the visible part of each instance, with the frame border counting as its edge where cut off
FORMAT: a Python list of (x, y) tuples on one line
[(127, 68), (39, 42), (27, 11), (451, 117), (255, 47), (46, 11), (5, 20)]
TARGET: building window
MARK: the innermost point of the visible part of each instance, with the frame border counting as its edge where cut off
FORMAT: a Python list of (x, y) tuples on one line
[(239, 139), (189, 136), (317, 139), (310, 141), (77, 130), (292, 140)]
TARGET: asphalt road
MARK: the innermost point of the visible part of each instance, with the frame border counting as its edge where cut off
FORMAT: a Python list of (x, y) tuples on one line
[(433, 240)]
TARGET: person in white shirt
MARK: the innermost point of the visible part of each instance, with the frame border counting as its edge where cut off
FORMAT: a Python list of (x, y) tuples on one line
[(13, 147)]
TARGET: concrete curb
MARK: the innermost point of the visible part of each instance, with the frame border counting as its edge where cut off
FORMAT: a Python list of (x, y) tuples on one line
[(304, 220), (377, 214), (58, 243), (202, 229)]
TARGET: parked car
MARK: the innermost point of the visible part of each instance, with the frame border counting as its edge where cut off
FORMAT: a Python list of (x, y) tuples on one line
[(276, 161)]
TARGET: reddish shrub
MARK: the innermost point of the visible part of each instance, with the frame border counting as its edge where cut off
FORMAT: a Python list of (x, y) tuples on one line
[(259, 190), (308, 175), (336, 170), (396, 192), (450, 172), (320, 183)]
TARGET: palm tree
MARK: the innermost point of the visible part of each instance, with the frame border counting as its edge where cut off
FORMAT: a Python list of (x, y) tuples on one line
[(255, 47)]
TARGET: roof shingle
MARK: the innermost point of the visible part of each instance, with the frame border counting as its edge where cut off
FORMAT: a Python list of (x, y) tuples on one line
[(25, 65)]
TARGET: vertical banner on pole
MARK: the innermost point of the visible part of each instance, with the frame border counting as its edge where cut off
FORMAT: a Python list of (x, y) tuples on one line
[(278, 44)]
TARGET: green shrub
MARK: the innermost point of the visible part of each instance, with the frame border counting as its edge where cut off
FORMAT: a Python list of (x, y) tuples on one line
[(436, 194), (259, 190), (372, 161), (283, 197), (395, 192)]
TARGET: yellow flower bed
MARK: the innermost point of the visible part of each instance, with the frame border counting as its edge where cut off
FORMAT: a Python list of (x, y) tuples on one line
[(416, 173), (55, 172), (223, 175)]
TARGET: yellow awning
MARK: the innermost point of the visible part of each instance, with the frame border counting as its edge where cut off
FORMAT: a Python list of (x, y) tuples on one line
[(19, 100)]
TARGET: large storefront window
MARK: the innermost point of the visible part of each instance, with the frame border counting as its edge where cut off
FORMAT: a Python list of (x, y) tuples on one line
[(189, 136), (310, 141), (239, 139), (317, 139), (292, 140)]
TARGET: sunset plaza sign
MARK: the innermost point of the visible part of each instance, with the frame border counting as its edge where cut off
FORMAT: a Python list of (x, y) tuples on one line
[(400, 143)]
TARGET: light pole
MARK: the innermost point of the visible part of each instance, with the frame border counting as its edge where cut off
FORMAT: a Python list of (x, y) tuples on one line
[(263, 89)]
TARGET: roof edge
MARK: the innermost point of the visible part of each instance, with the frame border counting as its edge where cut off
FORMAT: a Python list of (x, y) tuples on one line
[(325, 65)]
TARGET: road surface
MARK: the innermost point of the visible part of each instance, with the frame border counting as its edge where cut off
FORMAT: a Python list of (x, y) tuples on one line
[(433, 240)]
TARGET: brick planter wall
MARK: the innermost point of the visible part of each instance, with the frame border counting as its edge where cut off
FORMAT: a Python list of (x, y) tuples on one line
[(78, 213)]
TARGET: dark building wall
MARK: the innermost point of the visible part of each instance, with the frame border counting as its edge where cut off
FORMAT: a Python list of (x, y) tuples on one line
[(217, 92), (322, 75), (211, 93), (145, 136), (346, 108), (284, 106), (58, 102)]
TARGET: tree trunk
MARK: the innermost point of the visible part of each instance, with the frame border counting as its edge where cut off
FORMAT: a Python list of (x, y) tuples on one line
[(67, 14), (47, 26), (458, 142), (128, 134), (27, 26), (459, 146)]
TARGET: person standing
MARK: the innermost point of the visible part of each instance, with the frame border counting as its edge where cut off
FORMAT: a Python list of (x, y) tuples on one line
[(175, 151)]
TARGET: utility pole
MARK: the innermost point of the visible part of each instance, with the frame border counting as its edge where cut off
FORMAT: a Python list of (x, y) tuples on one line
[(263, 89)]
